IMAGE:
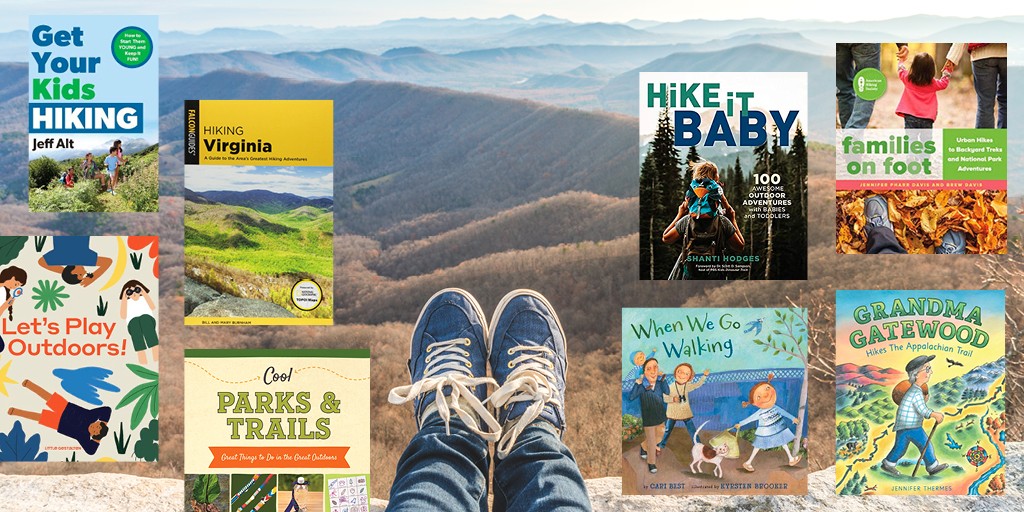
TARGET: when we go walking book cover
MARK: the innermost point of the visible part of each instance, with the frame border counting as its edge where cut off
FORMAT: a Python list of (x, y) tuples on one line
[(920, 398), (714, 401)]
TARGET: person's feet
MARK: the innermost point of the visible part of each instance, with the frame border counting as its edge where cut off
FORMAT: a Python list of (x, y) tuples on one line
[(876, 210), (652, 468), (953, 242), (890, 468), (528, 362), (936, 468), (748, 467), (643, 453), (794, 461), (448, 354)]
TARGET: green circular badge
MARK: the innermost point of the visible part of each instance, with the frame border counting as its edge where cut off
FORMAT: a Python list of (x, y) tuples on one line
[(869, 84), (132, 47)]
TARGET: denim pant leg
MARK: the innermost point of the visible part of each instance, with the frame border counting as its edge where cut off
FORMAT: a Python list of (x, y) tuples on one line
[(441, 472), (883, 241), (689, 427), (986, 78), (844, 82), (899, 448), (669, 425), (539, 474), (920, 440), (865, 55)]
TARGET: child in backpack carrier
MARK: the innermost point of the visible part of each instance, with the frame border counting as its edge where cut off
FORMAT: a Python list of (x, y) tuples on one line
[(705, 198)]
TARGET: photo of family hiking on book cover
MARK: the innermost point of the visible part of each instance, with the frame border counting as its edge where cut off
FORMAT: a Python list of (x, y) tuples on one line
[(920, 401), (93, 123), (259, 213), (921, 148), (714, 401), (79, 348), (723, 176)]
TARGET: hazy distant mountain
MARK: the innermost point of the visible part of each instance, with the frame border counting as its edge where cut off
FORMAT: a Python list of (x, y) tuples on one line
[(261, 200), (859, 376), (623, 92)]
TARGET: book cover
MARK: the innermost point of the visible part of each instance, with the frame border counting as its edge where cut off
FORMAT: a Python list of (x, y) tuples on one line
[(723, 176), (277, 429), (921, 148), (259, 212), (93, 114), (920, 404), (79, 348), (714, 401)]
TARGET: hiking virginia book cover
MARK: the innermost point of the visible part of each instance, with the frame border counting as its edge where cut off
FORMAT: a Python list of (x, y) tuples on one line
[(259, 212), (920, 399), (714, 401), (79, 347), (921, 148), (277, 429), (723, 176), (93, 114)]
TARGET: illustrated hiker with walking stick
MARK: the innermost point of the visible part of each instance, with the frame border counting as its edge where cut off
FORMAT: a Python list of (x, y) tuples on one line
[(911, 395)]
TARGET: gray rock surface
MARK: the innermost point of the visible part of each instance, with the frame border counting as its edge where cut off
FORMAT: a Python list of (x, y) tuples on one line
[(228, 306), (197, 293), (106, 491), (90, 493)]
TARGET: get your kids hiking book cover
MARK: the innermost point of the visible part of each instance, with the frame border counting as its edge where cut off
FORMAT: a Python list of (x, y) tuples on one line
[(79, 348), (277, 430), (93, 114), (920, 405), (259, 212), (723, 176), (921, 147), (714, 401)]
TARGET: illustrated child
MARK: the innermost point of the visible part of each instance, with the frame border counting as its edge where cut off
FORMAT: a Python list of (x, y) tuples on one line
[(113, 162), (919, 104), (771, 429), (137, 308), (70, 256), (87, 426), (638, 359), (678, 400), (650, 389), (11, 278)]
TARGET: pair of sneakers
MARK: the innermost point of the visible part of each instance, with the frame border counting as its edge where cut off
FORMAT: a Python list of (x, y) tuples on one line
[(876, 209), (452, 347)]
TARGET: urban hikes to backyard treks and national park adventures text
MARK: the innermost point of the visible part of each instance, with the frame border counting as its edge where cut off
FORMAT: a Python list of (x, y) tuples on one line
[(93, 114), (921, 148), (920, 400), (277, 430), (79, 348), (259, 212), (714, 401), (723, 176)]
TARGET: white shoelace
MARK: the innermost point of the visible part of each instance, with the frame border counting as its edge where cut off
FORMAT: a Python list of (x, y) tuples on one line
[(449, 365), (531, 380)]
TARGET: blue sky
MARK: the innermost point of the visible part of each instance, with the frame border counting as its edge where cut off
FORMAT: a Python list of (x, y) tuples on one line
[(197, 15), (301, 181)]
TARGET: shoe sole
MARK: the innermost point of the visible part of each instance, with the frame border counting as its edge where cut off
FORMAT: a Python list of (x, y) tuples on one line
[(476, 308)]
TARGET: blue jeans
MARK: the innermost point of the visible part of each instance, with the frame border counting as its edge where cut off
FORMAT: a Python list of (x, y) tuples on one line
[(854, 113), (990, 87), (442, 473), (903, 440), (671, 424)]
